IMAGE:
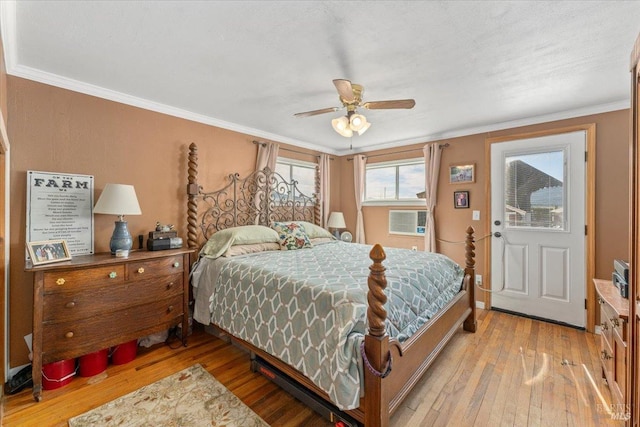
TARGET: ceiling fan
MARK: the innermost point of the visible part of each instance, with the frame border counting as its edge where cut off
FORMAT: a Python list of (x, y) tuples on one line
[(351, 99)]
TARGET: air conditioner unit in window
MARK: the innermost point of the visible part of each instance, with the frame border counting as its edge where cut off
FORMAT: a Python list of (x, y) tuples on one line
[(411, 223)]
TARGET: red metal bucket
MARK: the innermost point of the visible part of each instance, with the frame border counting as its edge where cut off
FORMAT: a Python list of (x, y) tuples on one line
[(58, 374), (93, 363), (124, 353)]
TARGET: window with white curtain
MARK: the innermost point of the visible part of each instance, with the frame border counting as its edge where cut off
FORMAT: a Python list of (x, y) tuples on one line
[(397, 182)]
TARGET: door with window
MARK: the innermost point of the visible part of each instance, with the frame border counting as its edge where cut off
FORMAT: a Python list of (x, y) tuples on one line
[(538, 226)]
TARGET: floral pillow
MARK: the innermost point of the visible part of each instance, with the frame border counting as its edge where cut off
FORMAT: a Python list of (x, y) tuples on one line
[(292, 236)]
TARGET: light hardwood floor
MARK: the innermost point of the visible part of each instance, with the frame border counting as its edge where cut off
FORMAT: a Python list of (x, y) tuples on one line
[(514, 371)]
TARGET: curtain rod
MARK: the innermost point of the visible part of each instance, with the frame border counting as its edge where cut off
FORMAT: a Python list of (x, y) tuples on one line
[(398, 152), (293, 151)]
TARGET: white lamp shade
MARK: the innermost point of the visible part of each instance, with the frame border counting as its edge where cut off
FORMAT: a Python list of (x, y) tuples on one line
[(336, 220), (118, 199), (357, 122), (364, 128)]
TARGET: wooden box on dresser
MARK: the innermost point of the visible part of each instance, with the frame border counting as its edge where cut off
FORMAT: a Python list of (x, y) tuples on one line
[(93, 302), (614, 336)]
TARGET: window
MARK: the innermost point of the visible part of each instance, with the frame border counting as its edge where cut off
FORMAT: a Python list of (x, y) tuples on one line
[(303, 172), (394, 181)]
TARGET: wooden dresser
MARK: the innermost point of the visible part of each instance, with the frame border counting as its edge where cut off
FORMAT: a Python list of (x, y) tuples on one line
[(614, 336), (98, 301)]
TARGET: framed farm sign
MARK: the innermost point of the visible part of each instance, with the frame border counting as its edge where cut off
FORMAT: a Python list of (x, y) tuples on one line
[(60, 207)]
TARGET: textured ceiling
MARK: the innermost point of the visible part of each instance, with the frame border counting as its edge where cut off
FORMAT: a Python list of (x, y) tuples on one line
[(250, 65)]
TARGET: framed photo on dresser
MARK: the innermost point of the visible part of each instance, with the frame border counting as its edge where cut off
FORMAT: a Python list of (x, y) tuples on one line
[(48, 251)]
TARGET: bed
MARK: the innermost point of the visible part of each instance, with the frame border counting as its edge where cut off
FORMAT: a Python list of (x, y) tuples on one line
[(363, 353)]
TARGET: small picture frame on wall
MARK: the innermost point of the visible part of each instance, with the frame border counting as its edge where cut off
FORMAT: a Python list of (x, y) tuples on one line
[(461, 199), (47, 251), (462, 174)]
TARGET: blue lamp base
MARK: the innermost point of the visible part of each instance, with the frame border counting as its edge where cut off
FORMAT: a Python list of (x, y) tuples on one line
[(121, 238)]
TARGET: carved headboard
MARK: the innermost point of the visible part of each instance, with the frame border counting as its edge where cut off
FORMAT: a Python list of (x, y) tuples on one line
[(260, 198)]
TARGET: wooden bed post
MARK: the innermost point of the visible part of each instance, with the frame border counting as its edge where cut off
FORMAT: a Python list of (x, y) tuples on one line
[(376, 344), (469, 250), (192, 193)]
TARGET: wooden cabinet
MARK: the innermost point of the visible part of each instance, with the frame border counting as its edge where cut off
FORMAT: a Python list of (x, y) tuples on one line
[(98, 301), (614, 321)]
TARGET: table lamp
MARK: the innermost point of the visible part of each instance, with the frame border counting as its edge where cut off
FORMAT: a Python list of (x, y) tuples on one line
[(336, 221), (119, 199)]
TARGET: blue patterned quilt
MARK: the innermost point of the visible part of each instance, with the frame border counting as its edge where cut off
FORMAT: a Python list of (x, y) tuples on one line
[(308, 307)]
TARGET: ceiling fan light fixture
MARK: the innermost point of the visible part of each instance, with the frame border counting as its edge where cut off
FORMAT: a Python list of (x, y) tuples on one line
[(351, 99)]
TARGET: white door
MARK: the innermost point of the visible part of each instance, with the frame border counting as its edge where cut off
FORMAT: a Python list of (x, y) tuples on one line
[(538, 226)]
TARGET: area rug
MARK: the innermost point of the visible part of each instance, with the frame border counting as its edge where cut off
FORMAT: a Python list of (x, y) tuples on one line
[(191, 397)]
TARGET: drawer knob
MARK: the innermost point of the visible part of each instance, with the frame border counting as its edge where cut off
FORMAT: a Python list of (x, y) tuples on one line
[(170, 285), (113, 275), (70, 304), (615, 321), (600, 300), (69, 334), (170, 309), (605, 356), (604, 326), (60, 281), (141, 270), (176, 264)]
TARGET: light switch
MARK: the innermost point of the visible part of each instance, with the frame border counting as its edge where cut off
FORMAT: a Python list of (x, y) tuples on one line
[(476, 216)]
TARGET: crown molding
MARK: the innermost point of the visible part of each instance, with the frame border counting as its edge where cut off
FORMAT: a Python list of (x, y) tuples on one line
[(562, 115), (100, 92)]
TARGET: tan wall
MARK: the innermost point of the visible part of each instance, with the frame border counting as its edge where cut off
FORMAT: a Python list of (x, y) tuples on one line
[(612, 190), (57, 130)]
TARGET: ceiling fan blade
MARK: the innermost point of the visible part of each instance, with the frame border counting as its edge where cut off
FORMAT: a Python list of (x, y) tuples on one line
[(386, 105), (344, 89), (316, 112)]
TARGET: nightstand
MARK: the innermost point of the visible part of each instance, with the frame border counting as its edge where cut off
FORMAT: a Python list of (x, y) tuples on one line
[(97, 301)]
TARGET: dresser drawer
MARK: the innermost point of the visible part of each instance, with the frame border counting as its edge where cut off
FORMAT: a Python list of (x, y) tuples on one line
[(606, 328), (607, 359), (65, 306), (79, 279), (75, 338), (141, 270)]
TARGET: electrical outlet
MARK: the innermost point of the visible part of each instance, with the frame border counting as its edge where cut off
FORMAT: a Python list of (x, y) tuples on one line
[(414, 248), (475, 216), (478, 279)]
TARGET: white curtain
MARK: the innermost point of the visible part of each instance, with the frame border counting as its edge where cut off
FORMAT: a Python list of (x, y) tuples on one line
[(431, 172), (325, 190), (359, 170), (267, 155)]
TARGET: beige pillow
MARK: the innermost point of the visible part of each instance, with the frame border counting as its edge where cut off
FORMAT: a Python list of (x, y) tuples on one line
[(314, 231), (222, 240), (251, 249), (320, 240)]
